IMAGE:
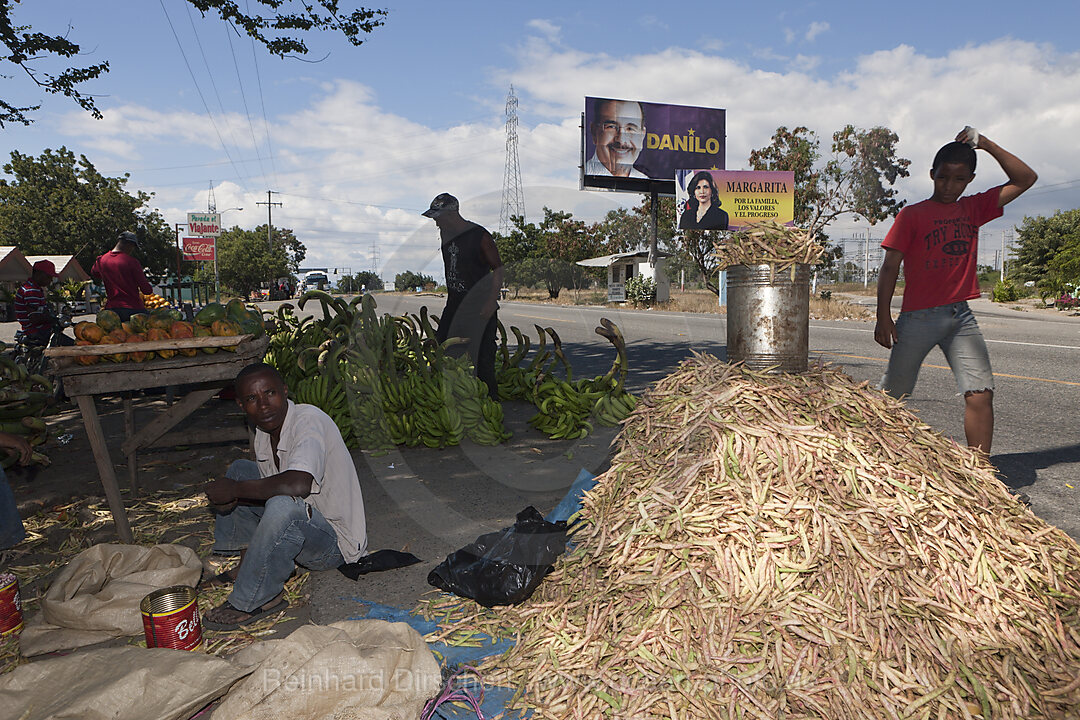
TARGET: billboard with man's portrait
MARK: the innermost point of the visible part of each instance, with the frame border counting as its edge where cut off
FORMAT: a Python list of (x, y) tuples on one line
[(637, 146)]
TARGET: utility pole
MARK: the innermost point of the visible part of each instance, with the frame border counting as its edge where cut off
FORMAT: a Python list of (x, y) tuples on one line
[(179, 300), (866, 261), (269, 233), (1002, 256)]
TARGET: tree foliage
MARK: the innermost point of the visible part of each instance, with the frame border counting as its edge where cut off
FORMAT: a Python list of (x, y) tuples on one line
[(410, 280), (547, 253), (852, 181), (56, 204), (280, 30), (360, 281), (1048, 249), (246, 259)]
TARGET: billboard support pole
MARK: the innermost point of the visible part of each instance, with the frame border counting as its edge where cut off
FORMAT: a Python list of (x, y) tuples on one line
[(654, 220)]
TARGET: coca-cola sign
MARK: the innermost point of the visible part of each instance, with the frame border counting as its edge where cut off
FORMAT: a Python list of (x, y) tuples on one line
[(198, 248)]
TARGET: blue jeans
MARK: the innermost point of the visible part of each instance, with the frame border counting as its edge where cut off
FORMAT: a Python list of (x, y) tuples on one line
[(954, 329), (11, 526), (282, 533)]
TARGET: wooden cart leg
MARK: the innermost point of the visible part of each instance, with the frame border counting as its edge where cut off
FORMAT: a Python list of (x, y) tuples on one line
[(129, 430), (105, 466)]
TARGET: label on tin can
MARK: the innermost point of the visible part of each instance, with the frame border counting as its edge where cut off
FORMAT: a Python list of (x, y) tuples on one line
[(11, 615), (171, 619)]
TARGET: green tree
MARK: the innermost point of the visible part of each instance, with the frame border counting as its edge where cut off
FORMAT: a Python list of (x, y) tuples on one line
[(856, 179), (409, 280), (547, 253), (56, 204), (1039, 242), (852, 181), (280, 30), (355, 283), (246, 259)]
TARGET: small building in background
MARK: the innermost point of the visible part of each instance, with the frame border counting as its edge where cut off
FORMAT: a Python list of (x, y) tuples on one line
[(68, 267), (623, 266)]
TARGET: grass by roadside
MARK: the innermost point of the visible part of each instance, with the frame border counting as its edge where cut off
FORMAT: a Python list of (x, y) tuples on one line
[(696, 301)]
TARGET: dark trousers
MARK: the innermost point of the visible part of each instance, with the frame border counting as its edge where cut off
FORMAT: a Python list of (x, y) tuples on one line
[(126, 313), (459, 320)]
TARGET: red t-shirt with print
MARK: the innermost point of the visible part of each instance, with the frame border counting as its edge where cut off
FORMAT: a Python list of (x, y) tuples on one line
[(940, 243)]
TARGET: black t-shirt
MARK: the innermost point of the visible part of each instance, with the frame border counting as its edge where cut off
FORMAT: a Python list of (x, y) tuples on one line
[(464, 262)]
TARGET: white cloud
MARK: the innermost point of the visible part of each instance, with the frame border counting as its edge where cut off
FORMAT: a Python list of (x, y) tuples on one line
[(352, 174), (815, 29), (547, 28)]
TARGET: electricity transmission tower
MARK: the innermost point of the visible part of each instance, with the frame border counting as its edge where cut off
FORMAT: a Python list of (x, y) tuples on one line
[(513, 199)]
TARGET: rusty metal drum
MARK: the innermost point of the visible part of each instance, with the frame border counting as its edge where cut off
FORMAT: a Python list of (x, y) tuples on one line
[(171, 618), (768, 317)]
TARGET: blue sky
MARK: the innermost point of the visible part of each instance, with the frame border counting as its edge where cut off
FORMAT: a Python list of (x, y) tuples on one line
[(358, 142)]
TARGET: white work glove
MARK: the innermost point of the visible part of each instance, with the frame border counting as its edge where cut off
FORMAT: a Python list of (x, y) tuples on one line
[(972, 136)]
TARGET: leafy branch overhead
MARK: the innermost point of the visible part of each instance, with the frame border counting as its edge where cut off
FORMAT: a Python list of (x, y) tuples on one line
[(280, 31)]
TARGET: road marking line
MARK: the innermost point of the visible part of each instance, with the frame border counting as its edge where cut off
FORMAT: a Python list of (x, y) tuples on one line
[(946, 367), (1000, 342), (536, 317)]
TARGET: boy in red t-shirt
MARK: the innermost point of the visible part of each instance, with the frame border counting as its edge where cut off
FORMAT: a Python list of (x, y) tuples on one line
[(937, 242)]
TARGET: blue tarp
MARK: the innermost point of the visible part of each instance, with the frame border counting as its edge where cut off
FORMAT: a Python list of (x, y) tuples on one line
[(495, 697)]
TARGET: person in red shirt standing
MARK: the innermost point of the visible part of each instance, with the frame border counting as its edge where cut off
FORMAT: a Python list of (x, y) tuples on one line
[(936, 240), (123, 277)]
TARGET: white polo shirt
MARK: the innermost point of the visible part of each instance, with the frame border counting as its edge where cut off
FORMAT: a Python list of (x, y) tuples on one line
[(312, 443)]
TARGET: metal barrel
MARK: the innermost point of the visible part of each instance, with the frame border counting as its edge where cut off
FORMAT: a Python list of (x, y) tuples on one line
[(171, 618), (768, 317), (11, 615)]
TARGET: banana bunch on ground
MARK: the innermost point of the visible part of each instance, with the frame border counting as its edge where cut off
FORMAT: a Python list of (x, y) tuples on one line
[(23, 399), (568, 409), (384, 380), (330, 398)]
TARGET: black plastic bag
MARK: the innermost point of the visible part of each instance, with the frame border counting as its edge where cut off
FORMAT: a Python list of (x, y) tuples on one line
[(505, 567)]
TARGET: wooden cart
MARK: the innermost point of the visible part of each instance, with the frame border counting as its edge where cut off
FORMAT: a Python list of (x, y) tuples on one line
[(210, 372)]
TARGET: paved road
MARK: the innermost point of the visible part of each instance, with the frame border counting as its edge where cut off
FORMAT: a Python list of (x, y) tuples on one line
[(1035, 355)]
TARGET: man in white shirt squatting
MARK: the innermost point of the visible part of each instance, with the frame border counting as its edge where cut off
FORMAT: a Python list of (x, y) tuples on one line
[(298, 503)]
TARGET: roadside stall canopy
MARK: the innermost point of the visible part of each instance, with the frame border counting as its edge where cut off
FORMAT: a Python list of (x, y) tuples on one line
[(14, 267), (68, 267)]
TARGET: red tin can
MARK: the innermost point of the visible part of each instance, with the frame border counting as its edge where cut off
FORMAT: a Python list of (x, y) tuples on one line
[(171, 618), (11, 616)]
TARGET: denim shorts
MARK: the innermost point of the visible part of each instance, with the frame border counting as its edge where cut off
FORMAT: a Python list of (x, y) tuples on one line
[(952, 328)]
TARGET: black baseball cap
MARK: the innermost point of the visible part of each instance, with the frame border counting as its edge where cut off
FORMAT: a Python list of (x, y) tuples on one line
[(441, 203), (128, 236)]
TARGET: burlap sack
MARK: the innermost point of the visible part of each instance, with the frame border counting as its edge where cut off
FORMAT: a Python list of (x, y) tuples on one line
[(122, 683), (97, 596), (362, 669)]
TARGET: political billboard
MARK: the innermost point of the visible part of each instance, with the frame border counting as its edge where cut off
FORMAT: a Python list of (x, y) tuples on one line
[(733, 199), (637, 146)]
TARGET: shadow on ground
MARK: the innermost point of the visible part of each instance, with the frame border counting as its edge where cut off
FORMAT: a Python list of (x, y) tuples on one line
[(1021, 469)]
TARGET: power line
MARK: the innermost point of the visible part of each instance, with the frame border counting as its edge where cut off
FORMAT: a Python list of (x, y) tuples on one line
[(243, 98), (198, 91), (262, 100)]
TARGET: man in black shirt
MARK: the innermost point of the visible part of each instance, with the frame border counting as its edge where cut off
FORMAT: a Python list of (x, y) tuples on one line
[(473, 278)]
